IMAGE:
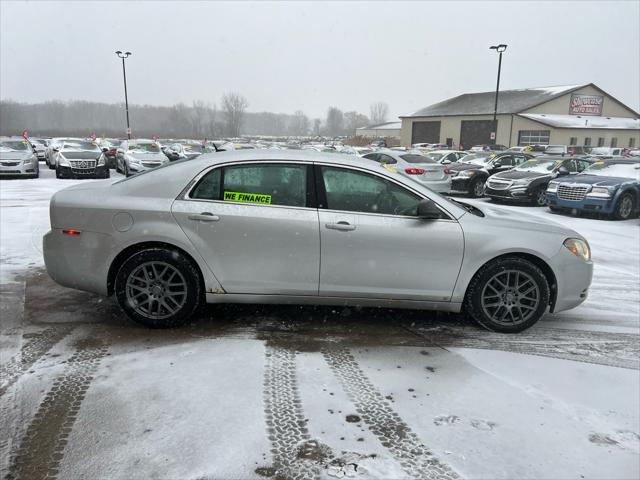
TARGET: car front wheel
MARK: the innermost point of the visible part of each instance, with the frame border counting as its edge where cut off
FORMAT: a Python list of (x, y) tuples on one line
[(507, 295), (477, 188), (624, 207), (158, 288), (540, 197)]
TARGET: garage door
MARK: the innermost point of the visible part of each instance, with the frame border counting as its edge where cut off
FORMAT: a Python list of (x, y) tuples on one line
[(476, 132), (425, 132)]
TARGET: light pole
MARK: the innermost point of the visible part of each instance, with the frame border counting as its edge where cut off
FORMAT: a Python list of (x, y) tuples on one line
[(498, 48), (126, 100)]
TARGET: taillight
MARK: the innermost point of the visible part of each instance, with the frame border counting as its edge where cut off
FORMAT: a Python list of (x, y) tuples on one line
[(70, 231), (414, 171), (447, 171)]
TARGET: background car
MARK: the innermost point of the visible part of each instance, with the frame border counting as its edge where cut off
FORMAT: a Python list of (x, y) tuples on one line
[(252, 227), (50, 151), (423, 170), (445, 157), (611, 187), (39, 146), (470, 177), (109, 147), (17, 158), (136, 156), (488, 148), (528, 181), (77, 158)]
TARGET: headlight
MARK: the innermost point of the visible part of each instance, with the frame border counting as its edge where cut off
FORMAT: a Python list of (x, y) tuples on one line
[(553, 187), (62, 161), (600, 192), (578, 247), (134, 160), (467, 173)]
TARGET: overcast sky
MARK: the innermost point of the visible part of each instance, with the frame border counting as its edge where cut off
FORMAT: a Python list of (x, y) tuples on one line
[(287, 56)]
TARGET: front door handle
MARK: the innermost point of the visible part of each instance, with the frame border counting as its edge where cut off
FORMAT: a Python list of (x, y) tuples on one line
[(342, 226), (205, 217)]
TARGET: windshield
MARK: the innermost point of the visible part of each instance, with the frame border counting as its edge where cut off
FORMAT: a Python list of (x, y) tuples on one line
[(79, 145), (191, 147), (144, 147), (434, 156), (411, 158), (8, 145), (612, 169), (541, 166)]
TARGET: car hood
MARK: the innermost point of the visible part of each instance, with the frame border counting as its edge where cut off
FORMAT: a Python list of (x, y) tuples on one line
[(80, 154), (458, 167), (520, 174), (598, 180), (15, 155), (147, 156)]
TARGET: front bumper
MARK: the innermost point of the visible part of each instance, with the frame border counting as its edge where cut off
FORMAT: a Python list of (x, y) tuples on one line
[(100, 171), (461, 184), (18, 168), (573, 277), (514, 194), (601, 205)]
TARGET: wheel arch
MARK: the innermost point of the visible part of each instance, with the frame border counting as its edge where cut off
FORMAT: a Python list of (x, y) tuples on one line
[(537, 261), (121, 257)]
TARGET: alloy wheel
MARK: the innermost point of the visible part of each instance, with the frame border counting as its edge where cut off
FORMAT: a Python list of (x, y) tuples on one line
[(510, 297), (156, 290)]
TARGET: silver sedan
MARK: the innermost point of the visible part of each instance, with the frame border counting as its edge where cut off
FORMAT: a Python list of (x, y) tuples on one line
[(420, 168), (17, 158), (135, 156), (307, 228)]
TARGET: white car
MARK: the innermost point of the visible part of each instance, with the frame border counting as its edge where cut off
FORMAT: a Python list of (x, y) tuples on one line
[(302, 227), (420, 168), (135, 156), (17, 158)]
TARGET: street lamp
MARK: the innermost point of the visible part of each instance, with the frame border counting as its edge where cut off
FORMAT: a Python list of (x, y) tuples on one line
[(126, 100), (498, 48)]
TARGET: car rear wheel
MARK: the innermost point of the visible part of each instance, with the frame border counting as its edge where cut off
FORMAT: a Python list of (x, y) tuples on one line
[(540, 197), (624, 207), (508, 295), (477, 188), (158, 288)]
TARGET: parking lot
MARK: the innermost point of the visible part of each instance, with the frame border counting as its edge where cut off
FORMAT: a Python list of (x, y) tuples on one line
[(313, 392)]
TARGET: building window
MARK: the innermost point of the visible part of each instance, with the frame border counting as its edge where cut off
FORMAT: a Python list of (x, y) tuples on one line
[(573, 141), (587, 142), (632, 142), (600, 142), (614, 142), (533, 137)]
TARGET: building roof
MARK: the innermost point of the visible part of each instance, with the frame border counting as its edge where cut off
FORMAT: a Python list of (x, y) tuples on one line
[(383, 126), (509, 101), (583, 121)]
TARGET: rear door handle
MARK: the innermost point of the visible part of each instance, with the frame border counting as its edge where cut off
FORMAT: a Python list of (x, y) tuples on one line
[(342, 226), (205, 217)]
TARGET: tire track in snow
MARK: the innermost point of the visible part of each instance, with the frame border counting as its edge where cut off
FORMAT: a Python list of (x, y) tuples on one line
[(394, 434), (286, 425), (42, 447), (603, 348), (37, 345)]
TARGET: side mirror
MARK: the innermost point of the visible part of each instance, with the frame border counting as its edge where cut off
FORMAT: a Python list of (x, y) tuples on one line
[(105, 149), (563, 171), (56, 149), (428, 210), (446, 162)]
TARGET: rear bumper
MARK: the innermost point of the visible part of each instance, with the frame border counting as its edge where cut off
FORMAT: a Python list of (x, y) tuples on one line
[(602, 205), (438, 186), (101, 171), (75, 261), (461, 184)]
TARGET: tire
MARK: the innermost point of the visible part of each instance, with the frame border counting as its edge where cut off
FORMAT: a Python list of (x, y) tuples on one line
[(51, 167), (540, 197), (555, 209), (126, 170), (624, 207), (58, 174), (145, 294), (477, 188), (507, 310)]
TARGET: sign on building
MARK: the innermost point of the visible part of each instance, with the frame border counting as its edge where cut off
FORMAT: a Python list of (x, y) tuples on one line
[(586, 104)]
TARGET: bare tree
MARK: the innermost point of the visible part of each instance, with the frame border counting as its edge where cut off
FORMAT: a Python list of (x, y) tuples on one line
[(316, 127), (299, 124), (234, 106), (353, 120), (378, 112), (335, 122)]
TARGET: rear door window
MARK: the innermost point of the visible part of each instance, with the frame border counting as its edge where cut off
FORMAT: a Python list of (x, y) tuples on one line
[(265, 184)]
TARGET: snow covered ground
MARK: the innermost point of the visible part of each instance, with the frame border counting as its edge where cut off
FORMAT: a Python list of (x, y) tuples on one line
[(288, 392)]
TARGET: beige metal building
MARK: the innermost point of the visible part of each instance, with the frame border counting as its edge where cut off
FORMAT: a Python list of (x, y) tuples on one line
[(565, 115), (383, 130)]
